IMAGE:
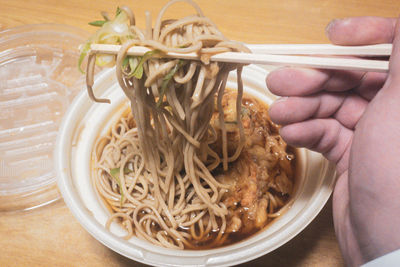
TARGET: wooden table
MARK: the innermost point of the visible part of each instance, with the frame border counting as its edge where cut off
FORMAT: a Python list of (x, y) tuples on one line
[(50, 236)]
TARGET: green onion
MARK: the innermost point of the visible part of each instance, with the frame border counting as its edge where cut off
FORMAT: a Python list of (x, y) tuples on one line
[(167, 79), (97, 23), (82, 56), (125, 62), (107, 35), (183, 46), (231, 122), (115, 174), (132, 65), (118, 11), (138, 72)]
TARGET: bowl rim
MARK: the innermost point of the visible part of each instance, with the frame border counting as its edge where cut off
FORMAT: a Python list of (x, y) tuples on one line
[(98, 231)]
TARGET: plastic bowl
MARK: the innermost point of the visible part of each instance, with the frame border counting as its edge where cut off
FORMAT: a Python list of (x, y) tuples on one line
[(38, 81), (86, 120)]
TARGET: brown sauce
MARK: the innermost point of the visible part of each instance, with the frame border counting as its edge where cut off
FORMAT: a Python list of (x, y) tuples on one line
[(258, 194), (262, 178)]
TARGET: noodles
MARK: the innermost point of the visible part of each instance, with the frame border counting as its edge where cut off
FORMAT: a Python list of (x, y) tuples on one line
[(156, 168)]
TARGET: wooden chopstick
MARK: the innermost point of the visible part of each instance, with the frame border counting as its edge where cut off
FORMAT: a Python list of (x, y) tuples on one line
[(321, 49), (268, 59)]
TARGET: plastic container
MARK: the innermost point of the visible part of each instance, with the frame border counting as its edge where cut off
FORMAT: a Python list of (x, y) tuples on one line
[(38, 80), (86, 120)]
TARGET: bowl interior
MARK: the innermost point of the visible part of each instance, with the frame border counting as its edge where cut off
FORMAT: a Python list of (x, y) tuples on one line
[(85, 121)]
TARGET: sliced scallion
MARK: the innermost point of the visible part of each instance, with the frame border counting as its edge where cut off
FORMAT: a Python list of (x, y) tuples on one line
[(138, 71), (115, 175), (83, 54), (97, 23), (167, 79)]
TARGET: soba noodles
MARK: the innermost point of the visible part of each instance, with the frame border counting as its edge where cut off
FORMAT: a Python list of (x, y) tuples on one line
[(162, 169)]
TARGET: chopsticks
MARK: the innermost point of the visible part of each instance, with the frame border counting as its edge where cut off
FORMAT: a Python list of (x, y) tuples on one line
[(285, 55), (322, 49)]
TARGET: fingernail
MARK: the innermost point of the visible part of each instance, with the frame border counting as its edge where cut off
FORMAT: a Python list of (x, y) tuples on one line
[(329, 26)]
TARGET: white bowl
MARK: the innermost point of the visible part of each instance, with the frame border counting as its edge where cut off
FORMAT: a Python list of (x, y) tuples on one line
[(86, 120)]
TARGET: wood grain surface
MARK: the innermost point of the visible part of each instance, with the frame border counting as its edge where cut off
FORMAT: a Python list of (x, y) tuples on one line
[(50, 236)]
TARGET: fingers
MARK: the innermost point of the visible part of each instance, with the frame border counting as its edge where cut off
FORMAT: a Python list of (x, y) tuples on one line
[(370, 84), (361, 30), (326, 136), (301, 81), (296, 109), (295, 81), (351, 110), (350, 31), (347, 109)]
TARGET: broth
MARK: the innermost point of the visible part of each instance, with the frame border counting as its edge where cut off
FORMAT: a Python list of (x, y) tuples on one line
[(262, 179)]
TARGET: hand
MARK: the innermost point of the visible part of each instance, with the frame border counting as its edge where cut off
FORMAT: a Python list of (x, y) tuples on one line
[(353, 119)]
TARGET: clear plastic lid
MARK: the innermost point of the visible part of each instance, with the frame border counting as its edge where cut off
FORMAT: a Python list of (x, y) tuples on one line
[(38, 80)]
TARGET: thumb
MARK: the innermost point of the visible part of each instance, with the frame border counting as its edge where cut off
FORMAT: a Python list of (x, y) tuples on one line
[(361, 30)]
